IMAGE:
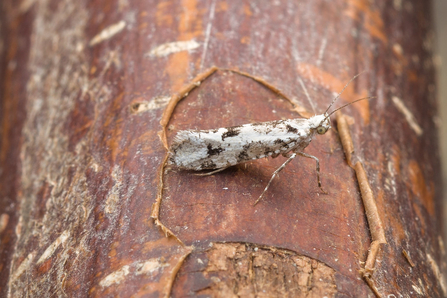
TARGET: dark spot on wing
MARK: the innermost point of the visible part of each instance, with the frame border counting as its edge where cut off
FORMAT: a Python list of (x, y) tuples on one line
[(278, 141), (291, 129), (213, 151), (277, 122), (269, 126), (208, 165), (231, 132), (268, 151), (243, 156)]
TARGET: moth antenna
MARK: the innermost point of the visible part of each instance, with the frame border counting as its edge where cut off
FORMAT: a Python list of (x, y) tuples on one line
[(346, 86), (349, 103), (307, 94)]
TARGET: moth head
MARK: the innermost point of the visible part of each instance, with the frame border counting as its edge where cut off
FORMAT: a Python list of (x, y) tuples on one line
[(321, 130)]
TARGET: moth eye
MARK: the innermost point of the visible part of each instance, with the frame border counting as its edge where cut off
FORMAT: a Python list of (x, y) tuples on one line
[(321, 130)]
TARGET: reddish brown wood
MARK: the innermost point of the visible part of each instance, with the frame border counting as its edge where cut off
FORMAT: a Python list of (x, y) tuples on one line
[(82, 97)]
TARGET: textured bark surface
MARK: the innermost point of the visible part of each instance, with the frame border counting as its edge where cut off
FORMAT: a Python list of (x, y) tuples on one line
[(84, 85)]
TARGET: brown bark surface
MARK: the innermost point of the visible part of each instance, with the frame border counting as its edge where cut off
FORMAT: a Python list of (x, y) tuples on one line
[(85, 84)]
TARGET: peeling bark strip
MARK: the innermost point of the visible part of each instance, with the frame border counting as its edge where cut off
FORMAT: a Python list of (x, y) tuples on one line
[(345, 137), (371, 211), (179, 96), (297, 107), (241, 270)]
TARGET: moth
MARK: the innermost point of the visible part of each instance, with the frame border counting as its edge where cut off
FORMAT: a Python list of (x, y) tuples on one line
[(218, 149)]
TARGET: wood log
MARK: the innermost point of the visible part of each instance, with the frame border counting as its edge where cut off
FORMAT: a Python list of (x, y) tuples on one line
[(88, 206)]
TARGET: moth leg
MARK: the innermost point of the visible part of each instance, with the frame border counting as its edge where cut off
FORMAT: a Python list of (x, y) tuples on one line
[(287, 154), (318, 168), (212, 172), (273, 176)]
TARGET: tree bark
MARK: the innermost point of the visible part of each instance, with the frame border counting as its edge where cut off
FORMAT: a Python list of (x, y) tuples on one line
[(85, 85)]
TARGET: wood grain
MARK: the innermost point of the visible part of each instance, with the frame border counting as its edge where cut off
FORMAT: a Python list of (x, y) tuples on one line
[(84, 85)]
